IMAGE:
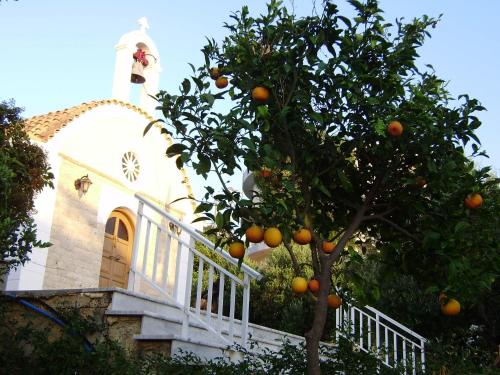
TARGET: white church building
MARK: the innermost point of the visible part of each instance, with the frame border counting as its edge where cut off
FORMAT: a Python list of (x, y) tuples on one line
[(100, 160)]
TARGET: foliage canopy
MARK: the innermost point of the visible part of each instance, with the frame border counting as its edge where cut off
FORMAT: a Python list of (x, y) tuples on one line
[(24, 172), (335, 83)]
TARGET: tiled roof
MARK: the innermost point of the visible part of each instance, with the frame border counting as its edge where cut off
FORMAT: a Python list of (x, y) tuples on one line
[(43, 127)]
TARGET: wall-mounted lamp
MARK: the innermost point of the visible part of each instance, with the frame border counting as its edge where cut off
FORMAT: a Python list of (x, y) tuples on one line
[(82, 184)]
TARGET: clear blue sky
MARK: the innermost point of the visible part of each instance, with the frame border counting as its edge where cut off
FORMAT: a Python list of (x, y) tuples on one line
[(57, 54)]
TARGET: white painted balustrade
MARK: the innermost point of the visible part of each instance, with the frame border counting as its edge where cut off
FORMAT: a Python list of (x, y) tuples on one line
[(373, 332), (164, 260)]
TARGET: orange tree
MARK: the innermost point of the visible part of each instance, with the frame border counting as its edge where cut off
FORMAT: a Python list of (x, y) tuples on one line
[(353, 138)]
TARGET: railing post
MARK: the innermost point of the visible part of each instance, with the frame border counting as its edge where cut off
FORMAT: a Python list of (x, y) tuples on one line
[(133, 263), (187, 294), (422, 355), (337, 325), (245, 313), (377, 340)]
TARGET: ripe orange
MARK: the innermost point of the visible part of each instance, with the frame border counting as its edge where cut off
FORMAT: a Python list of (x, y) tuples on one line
[(299, 285), (214, 73), (420, 181), (334, 301), (451, 308), (255, 234), (328, 247), (221, 82), (313, 285), (272, 237), (260, 94), (395, 128), (302, 236), (473, 201), (236, 249), (265, 172)]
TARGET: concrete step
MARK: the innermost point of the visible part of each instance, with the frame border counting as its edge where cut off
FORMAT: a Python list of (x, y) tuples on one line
[(126, 302), (161, 316), (205, 350), (154, 323)]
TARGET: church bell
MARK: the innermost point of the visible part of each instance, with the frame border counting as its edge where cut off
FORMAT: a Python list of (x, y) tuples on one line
[(137, 73)]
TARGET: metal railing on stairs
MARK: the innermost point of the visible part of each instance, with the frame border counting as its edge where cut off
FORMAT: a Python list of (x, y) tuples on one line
[(371, 331), (160, 241)]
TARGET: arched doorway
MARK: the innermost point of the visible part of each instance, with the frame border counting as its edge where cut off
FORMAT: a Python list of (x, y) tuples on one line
[(117, 251)]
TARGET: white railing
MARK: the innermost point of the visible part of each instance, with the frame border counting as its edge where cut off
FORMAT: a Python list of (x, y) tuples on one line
[(160, 239), (371, 331)]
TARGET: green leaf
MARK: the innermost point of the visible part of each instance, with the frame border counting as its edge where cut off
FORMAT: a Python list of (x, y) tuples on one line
[(190, 117), (219, 220), (204, 165), (207, 98), (179, 163), (380, 127), (323, 189), (199, 83), (148, 126), (201, 218), (186, 86), (180, 199), (249, 143), (346, 184), (263, 111), (431, 239), (461, 226), (203, 207), (175, 149)]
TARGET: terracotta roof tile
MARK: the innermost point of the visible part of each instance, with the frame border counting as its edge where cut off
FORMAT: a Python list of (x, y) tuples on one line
[(43, 127)]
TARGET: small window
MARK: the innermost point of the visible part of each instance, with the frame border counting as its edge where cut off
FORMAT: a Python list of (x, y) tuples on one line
[(130, 166), (110, 225), (122, 231)]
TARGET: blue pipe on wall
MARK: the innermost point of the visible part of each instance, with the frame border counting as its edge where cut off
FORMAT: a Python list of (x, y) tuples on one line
[(88, 346)]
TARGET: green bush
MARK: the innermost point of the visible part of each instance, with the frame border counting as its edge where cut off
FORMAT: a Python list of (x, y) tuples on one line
[(24, 172)]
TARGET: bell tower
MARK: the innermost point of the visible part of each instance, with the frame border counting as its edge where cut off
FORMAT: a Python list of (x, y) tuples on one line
[(136, 49)]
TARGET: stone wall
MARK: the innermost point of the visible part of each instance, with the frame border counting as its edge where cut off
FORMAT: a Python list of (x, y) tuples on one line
[(74, 259)]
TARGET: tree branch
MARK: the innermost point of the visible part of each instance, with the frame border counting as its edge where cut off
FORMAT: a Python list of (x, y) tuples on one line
[(394, 225), (295, 263)]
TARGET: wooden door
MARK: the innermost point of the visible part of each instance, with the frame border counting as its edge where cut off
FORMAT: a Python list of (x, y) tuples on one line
[(116, 252)]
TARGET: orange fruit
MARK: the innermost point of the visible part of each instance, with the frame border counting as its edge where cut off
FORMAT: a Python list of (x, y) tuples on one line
[(236, 249), (328, 247), (260, 94), (395, 128), (221, 82), (214, 73), (334, 301), (299, 285), (313, 285), (451, 308), (420, 181), (272, 237), (473, 201), (255, 234), (265, 172), (302, 236)]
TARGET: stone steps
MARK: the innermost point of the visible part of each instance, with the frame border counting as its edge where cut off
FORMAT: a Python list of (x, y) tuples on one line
[(145, 324)]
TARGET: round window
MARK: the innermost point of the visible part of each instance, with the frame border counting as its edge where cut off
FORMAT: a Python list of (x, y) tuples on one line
[(130, 166)]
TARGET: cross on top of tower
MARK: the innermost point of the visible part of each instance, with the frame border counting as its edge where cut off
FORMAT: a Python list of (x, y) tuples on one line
[(143, 23)]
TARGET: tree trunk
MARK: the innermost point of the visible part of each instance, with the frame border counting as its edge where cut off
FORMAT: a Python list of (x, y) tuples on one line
[(313, 336)]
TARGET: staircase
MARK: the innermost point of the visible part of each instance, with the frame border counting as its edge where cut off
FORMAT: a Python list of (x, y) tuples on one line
[(370, 330), (166, 309)]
